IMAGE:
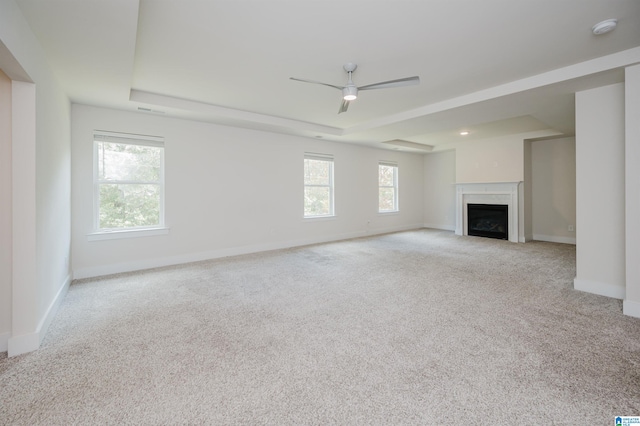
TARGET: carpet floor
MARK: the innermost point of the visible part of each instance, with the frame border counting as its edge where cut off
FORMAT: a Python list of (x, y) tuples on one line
[(419, 327)]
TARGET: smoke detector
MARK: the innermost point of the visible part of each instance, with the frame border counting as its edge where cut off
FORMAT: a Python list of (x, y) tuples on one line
[(604, 26)]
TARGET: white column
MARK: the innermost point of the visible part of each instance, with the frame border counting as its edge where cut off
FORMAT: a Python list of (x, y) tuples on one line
[(6, 244), (631, 304), (600, 204), (24, 335)]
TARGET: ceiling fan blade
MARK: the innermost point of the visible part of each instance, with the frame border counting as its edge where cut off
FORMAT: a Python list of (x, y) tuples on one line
[(343, 107), (316, 82), (407, 81)]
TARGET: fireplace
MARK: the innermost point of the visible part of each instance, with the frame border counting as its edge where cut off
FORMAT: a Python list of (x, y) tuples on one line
[(492, 193), (488, 220)]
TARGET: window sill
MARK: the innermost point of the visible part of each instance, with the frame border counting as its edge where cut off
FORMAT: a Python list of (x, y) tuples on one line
[(390, 212), (128, 233), (318, 218)]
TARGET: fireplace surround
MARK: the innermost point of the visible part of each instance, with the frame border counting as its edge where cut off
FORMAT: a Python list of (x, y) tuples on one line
[(492, 193)]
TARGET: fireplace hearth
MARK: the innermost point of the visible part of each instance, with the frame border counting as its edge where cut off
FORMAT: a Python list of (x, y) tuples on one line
[(488, 220)]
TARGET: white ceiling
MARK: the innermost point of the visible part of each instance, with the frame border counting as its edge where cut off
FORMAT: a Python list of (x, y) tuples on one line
[(492, 67)]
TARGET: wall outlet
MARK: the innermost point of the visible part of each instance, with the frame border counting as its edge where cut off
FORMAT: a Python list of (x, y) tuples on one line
[(571, 228)]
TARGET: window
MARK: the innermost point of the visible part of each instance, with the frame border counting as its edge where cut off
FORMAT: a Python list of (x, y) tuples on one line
[(318, 185), (387, 187), (128, 181)]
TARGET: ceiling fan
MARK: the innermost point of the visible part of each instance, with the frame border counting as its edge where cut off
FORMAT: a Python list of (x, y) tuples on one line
[(350, 91)]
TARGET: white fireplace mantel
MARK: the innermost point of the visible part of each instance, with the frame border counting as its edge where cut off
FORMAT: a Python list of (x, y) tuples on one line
[(504, 193)]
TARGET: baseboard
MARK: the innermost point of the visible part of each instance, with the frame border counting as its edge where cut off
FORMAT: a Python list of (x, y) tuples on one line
[(29, 342), (602, 289), (554, 239), (390, 230), (98, 271), (23, 343), (52, 309), (439, 226), (4, 342), (631, 308)]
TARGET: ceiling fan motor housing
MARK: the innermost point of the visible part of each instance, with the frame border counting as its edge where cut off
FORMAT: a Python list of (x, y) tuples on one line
[(350, 67), (350, 92)]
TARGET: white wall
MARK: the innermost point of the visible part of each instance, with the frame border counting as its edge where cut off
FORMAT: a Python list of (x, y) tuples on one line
[(600, 191), (440, 190), (6, 247), (496, 160), (491, 160), (554, 189), (231, 190), (631, 305), (40, 178)]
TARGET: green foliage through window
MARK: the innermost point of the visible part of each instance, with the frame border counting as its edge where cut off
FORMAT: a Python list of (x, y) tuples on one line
[(388, 188), (318, 187), (129, 185)]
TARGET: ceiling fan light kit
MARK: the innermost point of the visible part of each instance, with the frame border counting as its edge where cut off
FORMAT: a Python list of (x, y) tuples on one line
[(350, 91)]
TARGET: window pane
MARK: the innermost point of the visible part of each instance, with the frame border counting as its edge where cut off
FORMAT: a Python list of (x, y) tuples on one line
[(128, 162), (317, 201), (386, 199), (317, 172), (127, 206), (385, 175)]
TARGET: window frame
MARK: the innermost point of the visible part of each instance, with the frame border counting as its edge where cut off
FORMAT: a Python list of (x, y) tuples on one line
[(331, 185), (98, 233), (396, 202)]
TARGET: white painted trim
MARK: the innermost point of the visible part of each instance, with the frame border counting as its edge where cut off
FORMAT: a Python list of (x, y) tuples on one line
[(97, 271), (554, 239), (439, 226), (29, 342), (631, 308), (4, 341), (52, 310), (18, 345), (311, 219), (389, 230), (602, 289), (128, 233)]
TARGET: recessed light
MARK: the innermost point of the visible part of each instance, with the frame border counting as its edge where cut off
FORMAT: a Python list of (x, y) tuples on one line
[(464, 133), (604, 26)]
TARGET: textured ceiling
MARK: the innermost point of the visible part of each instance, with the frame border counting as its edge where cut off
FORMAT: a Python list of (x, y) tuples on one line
[(493, 67)]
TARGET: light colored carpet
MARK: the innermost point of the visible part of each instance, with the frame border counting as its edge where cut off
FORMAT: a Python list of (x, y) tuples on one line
[(420, 327)]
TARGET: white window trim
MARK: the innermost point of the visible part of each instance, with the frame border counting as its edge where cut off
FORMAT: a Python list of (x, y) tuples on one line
[(135, 232), (328, 158), (396, 200), (126, 233)]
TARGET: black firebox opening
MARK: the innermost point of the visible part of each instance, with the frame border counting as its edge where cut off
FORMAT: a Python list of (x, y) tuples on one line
[(488, 220)]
